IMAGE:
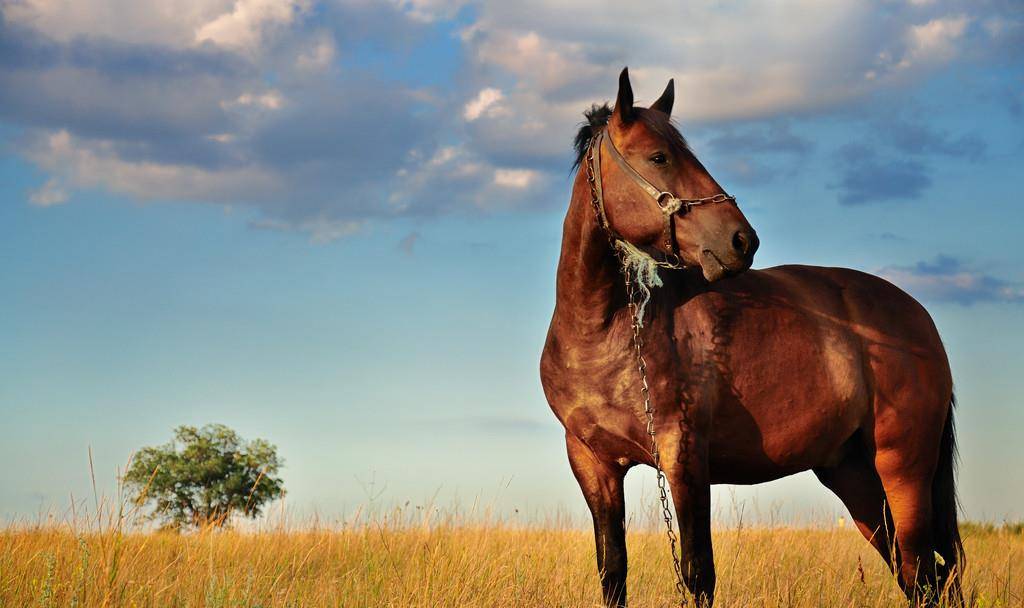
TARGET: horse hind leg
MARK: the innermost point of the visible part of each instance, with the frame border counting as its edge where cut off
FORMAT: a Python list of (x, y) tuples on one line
[(918, 481), (910, 501), (855, 482)]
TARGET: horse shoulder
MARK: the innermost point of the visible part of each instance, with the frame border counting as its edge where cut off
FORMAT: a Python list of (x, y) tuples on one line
[(589, 384)]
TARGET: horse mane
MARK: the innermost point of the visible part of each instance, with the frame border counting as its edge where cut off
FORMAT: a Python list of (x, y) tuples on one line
[(597, 118)]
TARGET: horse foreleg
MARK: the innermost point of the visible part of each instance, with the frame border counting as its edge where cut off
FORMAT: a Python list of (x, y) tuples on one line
[(685, 461), (601, 483)]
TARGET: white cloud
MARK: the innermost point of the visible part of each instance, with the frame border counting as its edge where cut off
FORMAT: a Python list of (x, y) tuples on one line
[(239, 25), (243, 27), (934, 41), (780, 56), (484, 102), (171, 22), (95, 164), (49, 194), (753, 60), (546, 63), (241, 100), (271, 100), (463, 180), (514, 178)]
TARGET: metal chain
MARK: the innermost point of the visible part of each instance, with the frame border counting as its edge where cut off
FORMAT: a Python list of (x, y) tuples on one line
[(594, 202), (717, 198), (632, 296), (645, 391)]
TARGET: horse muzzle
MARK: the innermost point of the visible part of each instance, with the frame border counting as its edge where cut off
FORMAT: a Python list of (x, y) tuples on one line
[(732, 260)]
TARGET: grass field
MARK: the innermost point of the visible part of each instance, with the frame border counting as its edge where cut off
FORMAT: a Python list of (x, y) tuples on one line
[(382, 563)]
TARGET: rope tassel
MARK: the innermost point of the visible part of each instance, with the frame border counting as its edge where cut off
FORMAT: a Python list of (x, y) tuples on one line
[(643, 269)]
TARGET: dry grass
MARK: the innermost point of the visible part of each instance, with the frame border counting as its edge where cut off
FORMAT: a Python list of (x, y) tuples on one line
[(395, 563)]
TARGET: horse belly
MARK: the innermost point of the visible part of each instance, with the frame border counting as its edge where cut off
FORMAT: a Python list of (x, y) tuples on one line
[(795, 396)]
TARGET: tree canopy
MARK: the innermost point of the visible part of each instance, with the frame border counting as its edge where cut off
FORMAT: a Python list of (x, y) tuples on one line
[(205, 476)]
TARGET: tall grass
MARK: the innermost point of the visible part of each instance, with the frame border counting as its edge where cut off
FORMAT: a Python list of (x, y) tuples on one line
[(406, 558)]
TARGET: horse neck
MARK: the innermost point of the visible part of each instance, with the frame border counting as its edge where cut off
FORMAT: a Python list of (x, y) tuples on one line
[(589, 287)]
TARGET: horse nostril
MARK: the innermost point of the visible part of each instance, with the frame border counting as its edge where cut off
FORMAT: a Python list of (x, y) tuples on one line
[(745, 243), (740, 242)]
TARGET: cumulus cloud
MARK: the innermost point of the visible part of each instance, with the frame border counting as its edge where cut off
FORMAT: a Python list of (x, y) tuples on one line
[(312, 149), (786, 60), (306, 112), (459, 179), (244, 25), (780, 57), (169, 22), (934, 41), (484, 102), (514, 178), (92, 163), (947, 279)]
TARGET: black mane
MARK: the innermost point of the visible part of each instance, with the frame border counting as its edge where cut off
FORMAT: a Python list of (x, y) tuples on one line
[(598, 116)]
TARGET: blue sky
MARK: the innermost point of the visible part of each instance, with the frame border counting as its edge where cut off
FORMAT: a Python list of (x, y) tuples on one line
[(335, 224)]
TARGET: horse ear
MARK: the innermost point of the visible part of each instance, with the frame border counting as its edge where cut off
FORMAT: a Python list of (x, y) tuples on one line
[(664, 103), (624, 100)]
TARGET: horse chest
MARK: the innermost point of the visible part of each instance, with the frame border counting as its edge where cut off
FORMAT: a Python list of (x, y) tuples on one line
[(595, 393)]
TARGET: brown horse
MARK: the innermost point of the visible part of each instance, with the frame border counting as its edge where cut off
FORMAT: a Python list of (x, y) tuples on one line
[(754, 377)]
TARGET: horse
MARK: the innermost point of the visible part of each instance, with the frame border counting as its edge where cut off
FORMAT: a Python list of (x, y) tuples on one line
[(752, 375)]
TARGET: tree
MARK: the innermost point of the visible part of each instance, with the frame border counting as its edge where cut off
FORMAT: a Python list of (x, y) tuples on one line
[(204, 476)]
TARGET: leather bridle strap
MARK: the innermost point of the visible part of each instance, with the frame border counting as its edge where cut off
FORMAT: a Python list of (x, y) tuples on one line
[(669, 204), (640, 180)]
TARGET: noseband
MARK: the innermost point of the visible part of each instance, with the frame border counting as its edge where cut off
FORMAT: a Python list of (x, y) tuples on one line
[(670, 205)]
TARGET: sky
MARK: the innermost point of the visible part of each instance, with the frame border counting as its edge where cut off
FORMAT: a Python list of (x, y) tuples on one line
[(334, 224)]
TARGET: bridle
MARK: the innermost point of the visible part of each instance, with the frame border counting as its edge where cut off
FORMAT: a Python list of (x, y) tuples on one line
[(670, 205)]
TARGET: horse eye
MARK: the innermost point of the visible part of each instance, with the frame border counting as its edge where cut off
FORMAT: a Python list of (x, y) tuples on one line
[(659, 158)]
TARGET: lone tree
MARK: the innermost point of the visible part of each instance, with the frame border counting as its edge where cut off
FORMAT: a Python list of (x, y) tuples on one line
[(204, 476)]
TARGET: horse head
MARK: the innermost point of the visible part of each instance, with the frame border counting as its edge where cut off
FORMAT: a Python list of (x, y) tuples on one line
[(654, 193)]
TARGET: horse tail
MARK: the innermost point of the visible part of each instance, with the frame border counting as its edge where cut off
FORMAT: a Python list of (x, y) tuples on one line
[(945, 528)]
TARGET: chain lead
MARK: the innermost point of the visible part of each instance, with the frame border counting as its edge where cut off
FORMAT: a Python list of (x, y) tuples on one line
[(645, 391)]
